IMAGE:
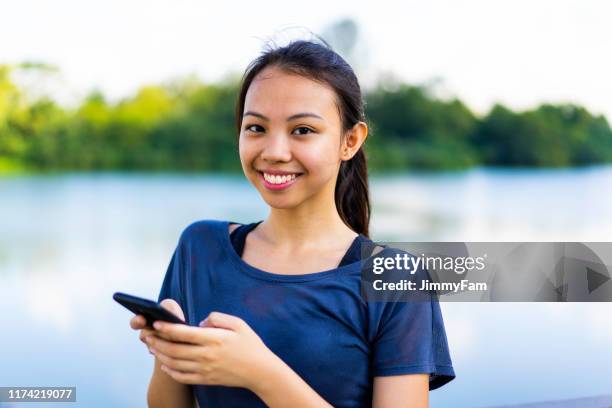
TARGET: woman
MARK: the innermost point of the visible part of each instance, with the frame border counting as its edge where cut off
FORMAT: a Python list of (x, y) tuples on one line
[(285, 324)]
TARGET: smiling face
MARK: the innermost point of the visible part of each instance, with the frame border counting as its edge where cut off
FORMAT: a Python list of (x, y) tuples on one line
[(291, 124)]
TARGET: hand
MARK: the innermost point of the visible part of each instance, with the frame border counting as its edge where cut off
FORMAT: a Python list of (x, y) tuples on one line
[(223, 350), (138, 322)]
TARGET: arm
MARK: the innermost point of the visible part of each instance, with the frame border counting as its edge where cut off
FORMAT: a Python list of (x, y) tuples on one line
[(224, 350), (271, 379), (401, 391), (280, 386), (165, 392)]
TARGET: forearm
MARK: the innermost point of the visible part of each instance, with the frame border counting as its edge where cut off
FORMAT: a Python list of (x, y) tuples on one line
[(279, 386), (164, 391)]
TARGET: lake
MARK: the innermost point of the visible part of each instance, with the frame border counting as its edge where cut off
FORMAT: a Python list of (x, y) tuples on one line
[(68, 241)]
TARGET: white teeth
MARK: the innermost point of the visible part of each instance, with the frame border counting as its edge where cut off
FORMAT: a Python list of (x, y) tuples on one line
[(276, 179)]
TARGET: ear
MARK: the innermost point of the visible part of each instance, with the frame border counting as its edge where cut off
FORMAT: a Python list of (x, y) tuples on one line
[(353, 140)]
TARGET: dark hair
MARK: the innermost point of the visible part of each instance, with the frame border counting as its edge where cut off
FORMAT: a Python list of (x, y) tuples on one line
[(320, 63)]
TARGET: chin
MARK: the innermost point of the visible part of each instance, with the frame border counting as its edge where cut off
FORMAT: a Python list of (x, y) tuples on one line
[(280, 204)]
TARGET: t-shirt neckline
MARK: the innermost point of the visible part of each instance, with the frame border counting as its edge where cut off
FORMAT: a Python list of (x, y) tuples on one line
[(277, 277)]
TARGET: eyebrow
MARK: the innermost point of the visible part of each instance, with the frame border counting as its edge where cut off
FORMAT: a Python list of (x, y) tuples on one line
[(292, 117)]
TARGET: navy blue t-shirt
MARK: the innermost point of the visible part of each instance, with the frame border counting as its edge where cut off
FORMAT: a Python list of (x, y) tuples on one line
[(317, 323)]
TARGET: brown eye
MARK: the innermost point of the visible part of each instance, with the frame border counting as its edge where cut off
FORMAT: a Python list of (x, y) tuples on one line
[(305, 128), (249, 128)]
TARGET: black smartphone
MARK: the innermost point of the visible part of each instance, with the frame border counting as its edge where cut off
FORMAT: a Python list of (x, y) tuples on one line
[(150, 309)]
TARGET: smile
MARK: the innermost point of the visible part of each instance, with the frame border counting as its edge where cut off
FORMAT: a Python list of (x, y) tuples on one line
[(277, 182)]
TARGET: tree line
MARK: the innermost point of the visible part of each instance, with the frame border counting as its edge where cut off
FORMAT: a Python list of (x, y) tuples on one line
[(188, 125)]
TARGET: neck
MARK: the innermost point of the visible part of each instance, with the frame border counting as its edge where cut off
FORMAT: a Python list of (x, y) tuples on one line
[(301, 227)]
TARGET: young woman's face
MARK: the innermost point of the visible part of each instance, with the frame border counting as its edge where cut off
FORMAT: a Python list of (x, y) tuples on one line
[(290, 125)]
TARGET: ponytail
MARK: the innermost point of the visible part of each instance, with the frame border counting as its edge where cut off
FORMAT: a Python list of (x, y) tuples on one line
[(352, 194)]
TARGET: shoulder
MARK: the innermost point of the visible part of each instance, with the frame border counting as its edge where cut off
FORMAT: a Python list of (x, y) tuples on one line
[(204, 228)]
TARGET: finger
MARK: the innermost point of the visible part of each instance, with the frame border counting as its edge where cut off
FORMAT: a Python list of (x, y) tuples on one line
[(181, 351), (138, 322), (144, 333), (188, 334), (175, 363), (174, 307), (180, 376), (223, 321)]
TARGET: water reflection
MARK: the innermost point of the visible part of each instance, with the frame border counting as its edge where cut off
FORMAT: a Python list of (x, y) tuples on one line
[(69, 241)]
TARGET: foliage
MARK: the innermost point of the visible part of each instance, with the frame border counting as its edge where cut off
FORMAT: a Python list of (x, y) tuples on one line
[(188, 125)]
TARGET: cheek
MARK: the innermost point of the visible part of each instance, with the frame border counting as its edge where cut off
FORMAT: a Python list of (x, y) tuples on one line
[(319, 159), (246, 152)]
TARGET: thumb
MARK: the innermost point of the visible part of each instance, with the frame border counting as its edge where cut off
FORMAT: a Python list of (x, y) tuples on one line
[(223, 321), (172, 306)]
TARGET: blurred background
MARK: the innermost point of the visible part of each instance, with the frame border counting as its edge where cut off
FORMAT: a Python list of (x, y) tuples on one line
[(489, 122)]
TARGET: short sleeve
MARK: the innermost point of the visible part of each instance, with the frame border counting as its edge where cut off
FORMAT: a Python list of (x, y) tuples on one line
[(411, 339), (171, 285)]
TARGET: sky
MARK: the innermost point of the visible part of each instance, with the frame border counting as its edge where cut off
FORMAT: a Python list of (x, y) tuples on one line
[(520, 53)]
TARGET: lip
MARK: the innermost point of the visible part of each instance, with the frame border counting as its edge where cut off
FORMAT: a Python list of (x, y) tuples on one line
[(279, 172), (277, 187)]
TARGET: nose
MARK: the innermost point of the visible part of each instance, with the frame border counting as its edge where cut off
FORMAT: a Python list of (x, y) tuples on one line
[(276, 148)]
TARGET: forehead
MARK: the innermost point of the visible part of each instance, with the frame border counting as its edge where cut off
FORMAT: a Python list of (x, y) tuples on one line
[(278, 94)]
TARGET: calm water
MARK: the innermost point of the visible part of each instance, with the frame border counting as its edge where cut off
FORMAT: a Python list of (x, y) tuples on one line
[(68, 242)]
